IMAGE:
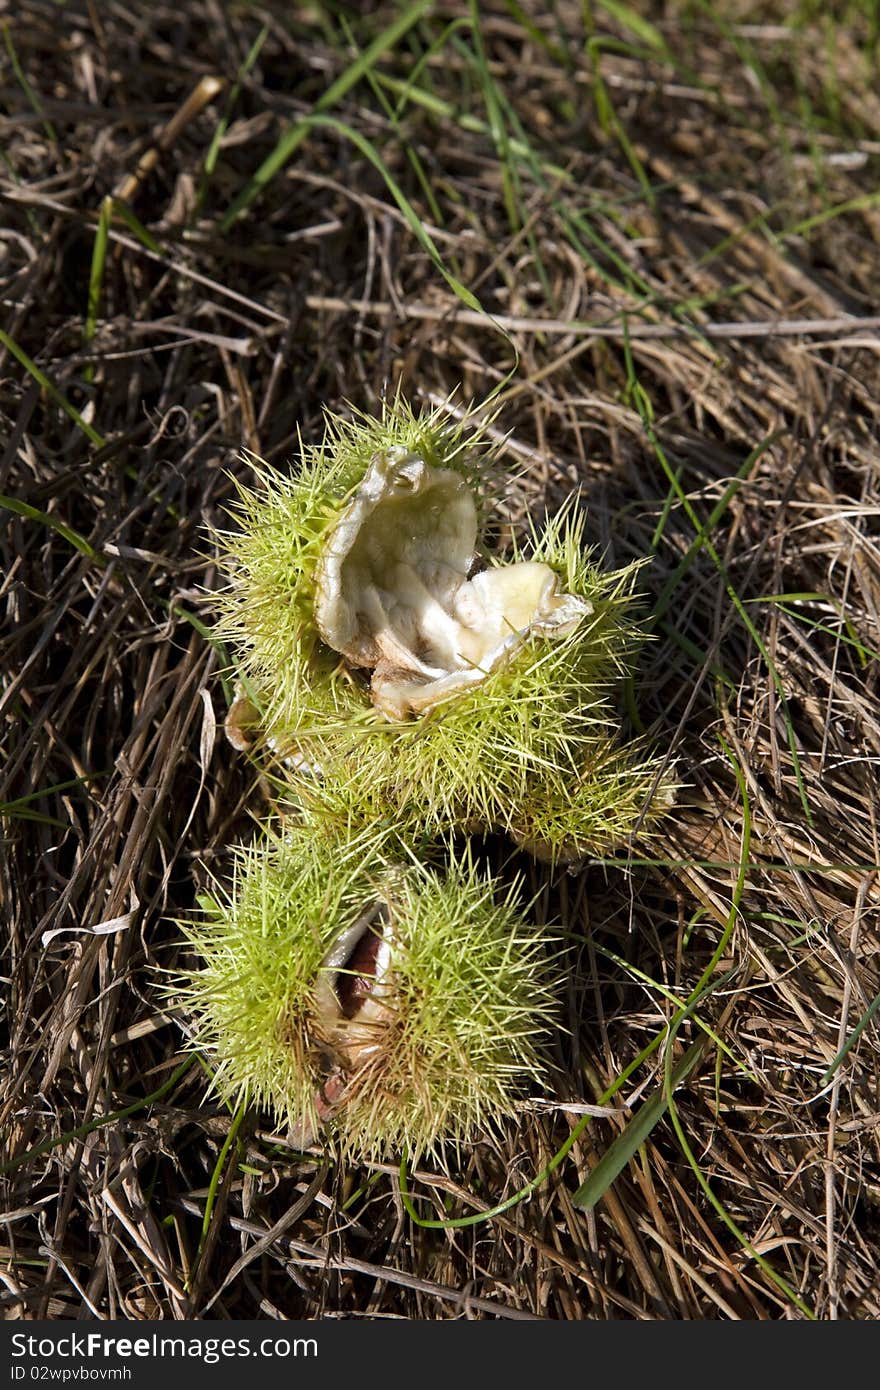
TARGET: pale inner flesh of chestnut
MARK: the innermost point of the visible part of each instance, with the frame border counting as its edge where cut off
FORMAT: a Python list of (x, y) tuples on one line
[(394, 596)]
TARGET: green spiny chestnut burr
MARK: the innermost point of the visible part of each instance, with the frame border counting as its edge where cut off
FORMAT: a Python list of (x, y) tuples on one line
[(409, 688), (399, 675), (347, 985)]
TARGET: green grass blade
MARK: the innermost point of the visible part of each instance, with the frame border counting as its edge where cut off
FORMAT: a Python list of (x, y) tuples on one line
[(408, 89), (462, 1222), (290, 142), (445, 111), (763, 1264), (864, 203), (32, 98), (610, 121), (211, 157), (757, 74), (19, 805), (410, 215), (536, 34), (96, 275), (36, 817), (393, 116), (136, 227), (218, 1171), (851, 1040), (786, 603), (643, 29), (51, 389), (500, 138), (578, 228), (12, 504), (674, 999), (82, 1131), (624, 1148)]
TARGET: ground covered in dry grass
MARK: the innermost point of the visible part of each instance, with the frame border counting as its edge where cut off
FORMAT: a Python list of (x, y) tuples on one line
[(668, 216)]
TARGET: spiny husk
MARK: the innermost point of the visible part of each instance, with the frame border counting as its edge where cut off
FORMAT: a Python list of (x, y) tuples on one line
[(530, 751), (466, 999)]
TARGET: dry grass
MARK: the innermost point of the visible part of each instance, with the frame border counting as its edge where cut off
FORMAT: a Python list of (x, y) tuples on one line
[(677, 228)]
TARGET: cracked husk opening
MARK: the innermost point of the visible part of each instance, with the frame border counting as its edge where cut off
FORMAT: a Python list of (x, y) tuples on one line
[(353, 997), (394, 594)]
